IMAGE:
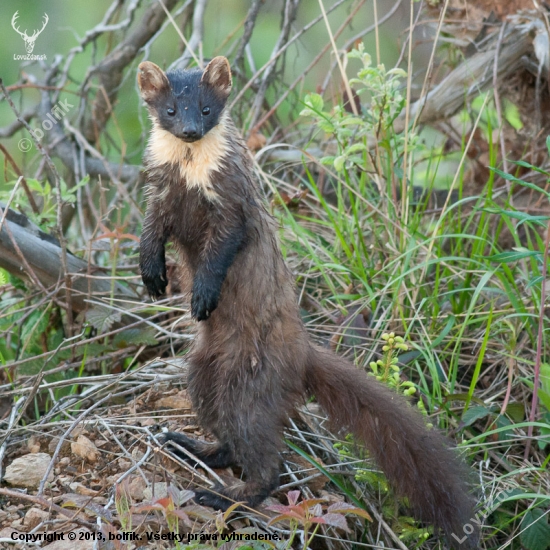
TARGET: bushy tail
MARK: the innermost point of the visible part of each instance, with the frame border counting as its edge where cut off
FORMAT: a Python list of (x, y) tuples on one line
[(416, 460)]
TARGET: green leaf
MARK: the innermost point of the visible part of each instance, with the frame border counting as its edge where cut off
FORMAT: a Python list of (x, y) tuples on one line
[(512, 115), (359, 53), (348, 121), (528, 184), (545, 399), (102, 318), (544, 438), (475, 413), (308, 112), (328, 161), (449, 324), (35, 185), (326, 125), (512, 255), (529, 166), (516, 411), (34, 327), (135, 336), (397, 72), (339, 162), (545, 378), (503, 422), (535, 530), (534, 281), (356, 147), (504, 497), (314, 102), (523, 217)]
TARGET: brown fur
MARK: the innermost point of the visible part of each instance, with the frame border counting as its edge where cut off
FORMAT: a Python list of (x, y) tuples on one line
[(252, 362)]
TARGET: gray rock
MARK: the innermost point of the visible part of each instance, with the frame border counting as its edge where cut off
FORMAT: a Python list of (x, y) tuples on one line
[(28, 471)]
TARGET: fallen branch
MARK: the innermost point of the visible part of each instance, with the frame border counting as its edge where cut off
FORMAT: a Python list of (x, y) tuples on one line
[(111, 69), (42, 254), (472, 76)]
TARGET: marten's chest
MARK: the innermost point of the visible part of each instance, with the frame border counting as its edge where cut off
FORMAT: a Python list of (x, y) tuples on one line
[(183, 210)]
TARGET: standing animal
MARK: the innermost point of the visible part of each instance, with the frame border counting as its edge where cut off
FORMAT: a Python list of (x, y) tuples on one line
[(252, 362)]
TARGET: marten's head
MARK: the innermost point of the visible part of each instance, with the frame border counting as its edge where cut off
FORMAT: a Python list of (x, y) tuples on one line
[(189, 103)]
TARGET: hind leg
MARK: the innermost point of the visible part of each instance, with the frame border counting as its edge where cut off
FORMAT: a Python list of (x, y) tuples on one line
[(255, 426), (260, 464), (261, 472), (214, 455), (246, 410), (203, 371)]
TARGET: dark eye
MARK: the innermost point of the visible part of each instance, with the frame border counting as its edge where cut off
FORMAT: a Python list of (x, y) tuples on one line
[(170, 111), (206, 111)]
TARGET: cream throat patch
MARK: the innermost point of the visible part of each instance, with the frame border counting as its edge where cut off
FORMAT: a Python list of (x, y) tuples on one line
[(197, 160)]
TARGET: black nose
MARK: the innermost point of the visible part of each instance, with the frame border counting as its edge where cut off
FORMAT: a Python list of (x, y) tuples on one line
[(190, 133)]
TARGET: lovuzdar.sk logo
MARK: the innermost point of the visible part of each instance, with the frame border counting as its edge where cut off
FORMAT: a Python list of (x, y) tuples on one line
[(29, 40)]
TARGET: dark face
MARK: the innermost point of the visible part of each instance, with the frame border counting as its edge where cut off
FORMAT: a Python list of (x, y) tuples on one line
[(188, 104), (191, 108)]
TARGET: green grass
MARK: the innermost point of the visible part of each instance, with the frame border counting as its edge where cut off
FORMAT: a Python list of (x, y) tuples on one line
[(461, 283)]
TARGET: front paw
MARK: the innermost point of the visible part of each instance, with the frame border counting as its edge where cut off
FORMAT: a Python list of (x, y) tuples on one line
[(204, 301), (155, 280), (213, 500)]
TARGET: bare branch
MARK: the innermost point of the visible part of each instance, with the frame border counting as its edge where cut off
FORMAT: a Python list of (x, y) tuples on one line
[(59, 201), (275, 106), (21, 242), (23, 181), (196, 37), (289, 15), (251, 17), (281, 51), (472, 75), (60, 146), (110, 70), (359, 36), (27, 115)]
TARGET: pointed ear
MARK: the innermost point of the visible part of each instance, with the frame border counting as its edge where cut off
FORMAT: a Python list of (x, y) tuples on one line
[(218, 75), (151, 80)]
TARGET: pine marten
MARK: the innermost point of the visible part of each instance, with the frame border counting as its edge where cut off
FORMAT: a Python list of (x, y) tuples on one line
[(252, 362)]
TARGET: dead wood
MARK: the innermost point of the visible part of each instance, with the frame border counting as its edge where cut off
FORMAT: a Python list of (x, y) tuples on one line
[(30, 254), (473, 75)]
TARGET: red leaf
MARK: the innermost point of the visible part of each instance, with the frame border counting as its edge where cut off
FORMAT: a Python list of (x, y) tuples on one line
[(293, 497), (336, 520), (278, 508), (289, 516), (165, 502)]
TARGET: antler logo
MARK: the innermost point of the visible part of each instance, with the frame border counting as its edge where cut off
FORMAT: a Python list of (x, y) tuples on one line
[(29, 40)]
